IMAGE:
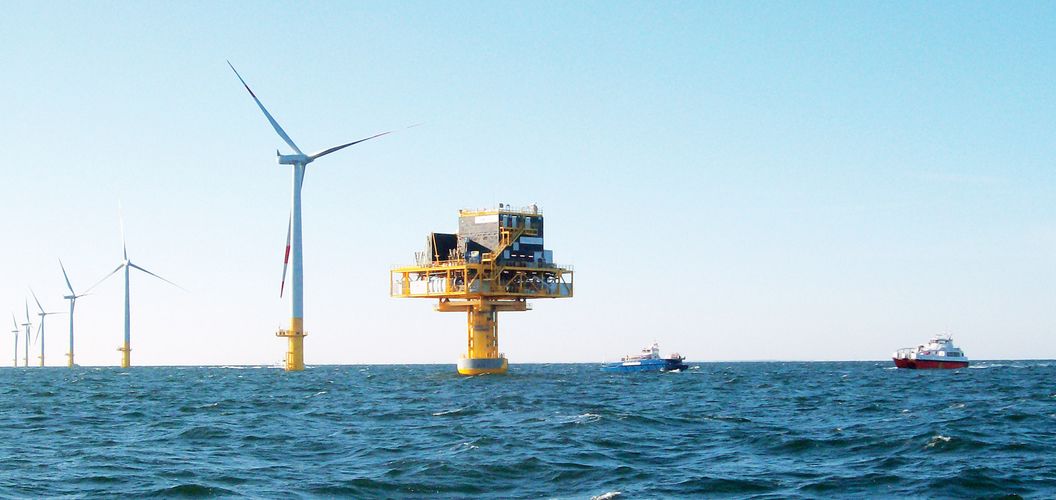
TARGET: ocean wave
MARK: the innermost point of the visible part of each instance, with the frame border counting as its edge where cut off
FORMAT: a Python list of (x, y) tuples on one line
[(193, 490), (203, 432), (938, 440), (585, 418), (768, 430)]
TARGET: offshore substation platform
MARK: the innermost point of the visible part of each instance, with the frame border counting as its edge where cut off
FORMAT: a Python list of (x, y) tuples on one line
[(496, 262)]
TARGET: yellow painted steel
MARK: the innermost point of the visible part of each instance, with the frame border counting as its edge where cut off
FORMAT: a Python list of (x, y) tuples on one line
[(295, 344), (125, 355), (41, 358), (484, 288), (69, 360), (483, 333)]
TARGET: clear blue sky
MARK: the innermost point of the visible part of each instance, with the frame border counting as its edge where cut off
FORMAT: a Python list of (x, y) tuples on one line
[(773, 180)]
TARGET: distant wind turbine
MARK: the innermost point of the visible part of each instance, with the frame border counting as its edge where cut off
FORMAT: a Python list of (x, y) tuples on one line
[(27, 325), (295, 333), (126, 264), (72, 297), (40, 328), (16, 331)]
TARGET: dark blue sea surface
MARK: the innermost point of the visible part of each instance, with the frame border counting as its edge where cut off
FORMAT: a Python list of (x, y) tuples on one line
[(766, 430)]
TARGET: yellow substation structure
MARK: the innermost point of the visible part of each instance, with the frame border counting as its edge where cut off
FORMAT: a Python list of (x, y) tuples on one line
[(495, 263)]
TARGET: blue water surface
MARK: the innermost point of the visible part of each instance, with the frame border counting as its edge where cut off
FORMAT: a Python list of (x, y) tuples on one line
[(764, 430)]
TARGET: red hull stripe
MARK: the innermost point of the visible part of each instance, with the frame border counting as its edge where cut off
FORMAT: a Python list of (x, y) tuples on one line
[(929, 364)]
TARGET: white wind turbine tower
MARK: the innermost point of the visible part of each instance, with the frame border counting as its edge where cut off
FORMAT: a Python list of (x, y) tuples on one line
[(40, 328), (16, 331), (72, 297), (295, 334), (27, 326), (126, 264)]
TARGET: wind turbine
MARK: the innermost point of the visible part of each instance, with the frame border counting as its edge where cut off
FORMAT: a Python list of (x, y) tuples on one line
[(27, 325), (72, 297), (295, 334), (16, 331), (125, 264), (40, 328)]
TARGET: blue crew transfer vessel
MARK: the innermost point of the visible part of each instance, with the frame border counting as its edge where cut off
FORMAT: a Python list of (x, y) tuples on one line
[(648, 360)]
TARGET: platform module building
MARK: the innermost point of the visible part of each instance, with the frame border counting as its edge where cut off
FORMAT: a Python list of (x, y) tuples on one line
[(495, 262)]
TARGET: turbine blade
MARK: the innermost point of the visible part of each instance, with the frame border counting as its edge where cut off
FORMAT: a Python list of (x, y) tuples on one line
[(286, 259), (156, 276), (118, 268), (37, 337), (121, 222), (36, 300), (67, 278), (274, 124), (15, 321), (343, 146)]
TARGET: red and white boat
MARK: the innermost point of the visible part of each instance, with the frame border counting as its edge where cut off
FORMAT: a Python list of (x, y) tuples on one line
[(939, 352)]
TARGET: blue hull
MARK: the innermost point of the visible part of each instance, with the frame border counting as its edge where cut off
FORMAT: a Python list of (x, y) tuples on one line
[(645, 365)]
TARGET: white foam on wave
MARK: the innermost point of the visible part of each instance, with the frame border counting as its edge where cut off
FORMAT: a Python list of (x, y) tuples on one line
[(607, 496), (585, 418), (938, 438), (464, 447), (447, 412)]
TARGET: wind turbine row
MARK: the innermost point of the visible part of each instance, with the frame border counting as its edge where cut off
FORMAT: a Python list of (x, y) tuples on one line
[(125, 349), (295, 333)]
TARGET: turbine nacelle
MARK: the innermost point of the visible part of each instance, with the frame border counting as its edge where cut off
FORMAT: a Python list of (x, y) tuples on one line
[(301, 159)]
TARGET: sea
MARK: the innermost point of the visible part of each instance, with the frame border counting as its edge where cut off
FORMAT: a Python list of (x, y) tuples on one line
[(718, 430)]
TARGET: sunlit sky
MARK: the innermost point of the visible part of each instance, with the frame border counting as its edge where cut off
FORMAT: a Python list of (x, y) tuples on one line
[(738, 181)]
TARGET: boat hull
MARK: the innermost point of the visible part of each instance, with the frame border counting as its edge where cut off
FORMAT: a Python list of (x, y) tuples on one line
[(928, 364), (645, 365)]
